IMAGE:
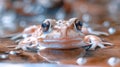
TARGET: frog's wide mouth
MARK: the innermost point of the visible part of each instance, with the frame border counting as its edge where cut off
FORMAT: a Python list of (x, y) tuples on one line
[(62, 43), (62, 40)]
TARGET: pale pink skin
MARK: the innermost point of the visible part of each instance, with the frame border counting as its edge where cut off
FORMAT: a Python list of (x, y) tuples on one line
[(61, 35)]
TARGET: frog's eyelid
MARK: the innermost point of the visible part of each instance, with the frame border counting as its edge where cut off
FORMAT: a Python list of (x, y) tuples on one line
[(72, 20)]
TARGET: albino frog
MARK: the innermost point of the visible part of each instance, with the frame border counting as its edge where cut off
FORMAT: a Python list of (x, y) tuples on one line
[(60, 34)]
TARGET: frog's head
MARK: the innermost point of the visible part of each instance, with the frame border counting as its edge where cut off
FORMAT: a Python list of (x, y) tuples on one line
[(61, 33)]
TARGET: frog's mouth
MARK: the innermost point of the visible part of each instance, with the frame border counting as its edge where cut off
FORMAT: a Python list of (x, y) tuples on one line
[(63, 43), (61, 40)]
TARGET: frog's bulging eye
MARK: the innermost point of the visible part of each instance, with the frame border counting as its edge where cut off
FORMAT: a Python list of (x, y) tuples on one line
[(45, 26), (78, 25)]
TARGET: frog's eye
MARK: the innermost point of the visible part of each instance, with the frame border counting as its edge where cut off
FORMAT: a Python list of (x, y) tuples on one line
[(46, 26), (78, 24)]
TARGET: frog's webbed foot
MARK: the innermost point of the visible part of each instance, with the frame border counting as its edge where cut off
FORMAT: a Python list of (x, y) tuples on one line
[(95, 41), (100, 44)]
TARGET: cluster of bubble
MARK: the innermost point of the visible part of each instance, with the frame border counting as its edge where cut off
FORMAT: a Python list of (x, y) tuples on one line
[(112, 61)]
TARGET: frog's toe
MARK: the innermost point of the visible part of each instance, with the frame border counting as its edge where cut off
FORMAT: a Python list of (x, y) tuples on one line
[(107, 43), (21, 47), (101, 45), (87, 47)]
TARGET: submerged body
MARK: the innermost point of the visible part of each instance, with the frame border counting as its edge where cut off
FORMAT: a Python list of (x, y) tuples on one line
[(60, 34)]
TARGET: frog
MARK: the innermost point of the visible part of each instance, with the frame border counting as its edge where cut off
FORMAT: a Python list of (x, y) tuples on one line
[(61, 34)]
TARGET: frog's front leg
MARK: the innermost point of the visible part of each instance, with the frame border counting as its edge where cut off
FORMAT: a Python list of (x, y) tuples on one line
[(97, 32), (29, 43), (86, 30), (95, 41), (27, 32)]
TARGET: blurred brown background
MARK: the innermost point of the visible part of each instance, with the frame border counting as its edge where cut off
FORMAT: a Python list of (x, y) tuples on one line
[(18, 14)]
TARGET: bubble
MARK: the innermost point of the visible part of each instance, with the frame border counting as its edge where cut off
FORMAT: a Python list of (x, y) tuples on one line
[(45, 3), (23, 23), (81, 61), (28, 8), (106, 23), (113, 9), (113, 61), (60, 14), (3, 56), (86, 17), (12, 52), (111, 30), (8, 21)]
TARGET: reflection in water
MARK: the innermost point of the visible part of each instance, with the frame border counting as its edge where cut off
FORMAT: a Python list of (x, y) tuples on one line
[(62, 56)]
